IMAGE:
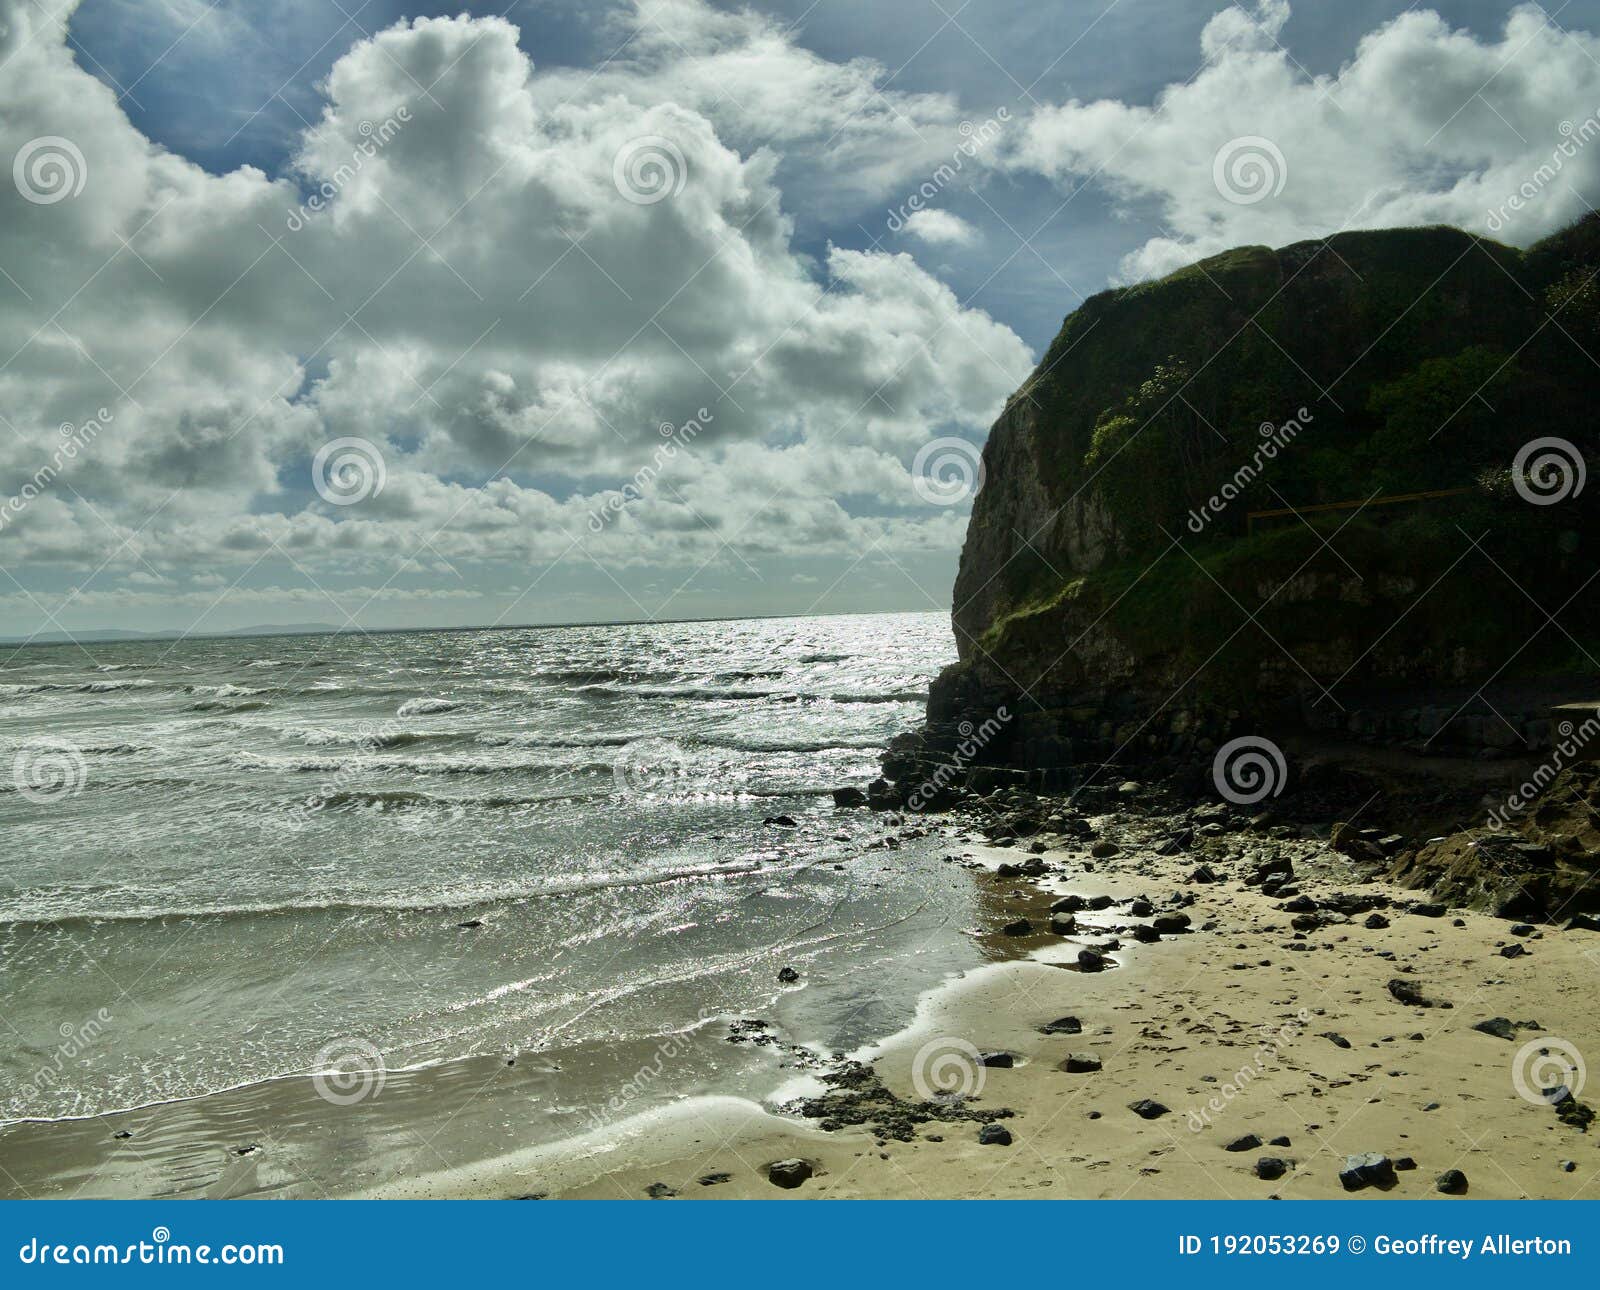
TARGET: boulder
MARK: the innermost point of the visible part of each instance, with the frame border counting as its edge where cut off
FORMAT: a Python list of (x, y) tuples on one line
[(789, 1174), (1371, 1169)]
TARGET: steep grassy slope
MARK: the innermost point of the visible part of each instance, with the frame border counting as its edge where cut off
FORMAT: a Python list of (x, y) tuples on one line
[(1110, 565)]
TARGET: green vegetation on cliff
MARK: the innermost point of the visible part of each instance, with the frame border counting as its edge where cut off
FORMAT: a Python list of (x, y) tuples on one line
[(1331, 374)]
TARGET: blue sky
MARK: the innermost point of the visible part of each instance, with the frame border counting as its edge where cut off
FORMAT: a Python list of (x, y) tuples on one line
[(502, 328)]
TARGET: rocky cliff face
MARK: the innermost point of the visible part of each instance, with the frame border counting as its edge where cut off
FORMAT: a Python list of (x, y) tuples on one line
[(1117, 597)]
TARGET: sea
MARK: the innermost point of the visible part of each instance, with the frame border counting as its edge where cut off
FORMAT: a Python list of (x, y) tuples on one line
[(233, 861)]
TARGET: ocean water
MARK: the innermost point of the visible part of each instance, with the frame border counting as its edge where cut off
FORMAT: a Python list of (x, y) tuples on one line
[(233, 861)]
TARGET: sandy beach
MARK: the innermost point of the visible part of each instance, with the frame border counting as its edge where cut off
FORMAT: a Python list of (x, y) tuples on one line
[(1288, 1011), (1248, 1031)]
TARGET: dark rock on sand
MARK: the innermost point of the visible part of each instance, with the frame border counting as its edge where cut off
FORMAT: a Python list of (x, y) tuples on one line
[(1249, 1142), (713, 1180), (1139, 907), (1148, 1109), (1021, 927), (1091, 961), (789, 1174), (1583, 923), (1144, 933), (1376, 922), (788, 976), (994, 1135), (1171, 924), (1063, 1026), (1334, 1038), (1515, 950), (1499, 1027), (997, 1060), (659, 1191), (1410, 993), (1452, 1182), (1063, 924), (1371, 1169), (1271, 1168), (1428, 909), (1081, 1064)]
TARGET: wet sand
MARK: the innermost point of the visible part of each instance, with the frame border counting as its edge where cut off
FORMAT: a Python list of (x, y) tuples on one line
[(1226, 1025)]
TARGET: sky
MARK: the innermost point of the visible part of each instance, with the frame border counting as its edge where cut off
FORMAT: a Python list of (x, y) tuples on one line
[(381, 315)]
